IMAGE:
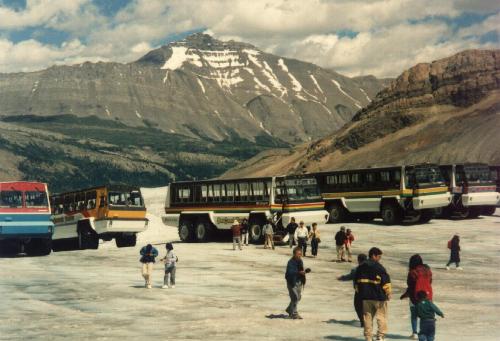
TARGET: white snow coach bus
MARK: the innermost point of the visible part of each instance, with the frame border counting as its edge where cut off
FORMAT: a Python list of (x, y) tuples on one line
[(201, 208), (83, 217), (473, 190), (392, 193)]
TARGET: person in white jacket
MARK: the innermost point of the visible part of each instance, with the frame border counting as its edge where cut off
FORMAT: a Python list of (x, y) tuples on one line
[(268, 234), (301, 235), (170, 261)]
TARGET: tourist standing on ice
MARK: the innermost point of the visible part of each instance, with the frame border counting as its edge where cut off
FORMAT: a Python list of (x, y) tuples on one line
[(268, 234), (148, 255), (170, 261), (454, 246), (244, 232), (340, 239), (295, 276), (426, 311), (314, 236), (290, 228), (236, 230), (301, 234), (419, 279), (358, 302), (348, 244), (374, 287)]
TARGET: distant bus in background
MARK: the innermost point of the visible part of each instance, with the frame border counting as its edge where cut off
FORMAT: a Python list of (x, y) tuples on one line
[(83, 217), (25, 222), (392, 193), (199, 209), (495, 176), (473, 190)]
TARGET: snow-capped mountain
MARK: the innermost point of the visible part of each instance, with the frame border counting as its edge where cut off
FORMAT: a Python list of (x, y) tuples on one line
[(199, 87)]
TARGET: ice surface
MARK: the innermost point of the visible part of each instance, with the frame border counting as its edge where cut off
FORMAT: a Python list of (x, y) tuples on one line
[(223, 294)]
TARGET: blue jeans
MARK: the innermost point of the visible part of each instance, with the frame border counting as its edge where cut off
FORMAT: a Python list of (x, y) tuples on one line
[(427, 330), (413, 318)]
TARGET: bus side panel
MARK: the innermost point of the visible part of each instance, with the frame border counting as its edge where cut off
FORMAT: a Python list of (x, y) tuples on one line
[(15, 226)]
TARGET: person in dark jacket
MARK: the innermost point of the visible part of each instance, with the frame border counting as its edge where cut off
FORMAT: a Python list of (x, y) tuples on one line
[(426, 311), (148, 254), (340, 239), (358, 303), (454, 246), (295, 279), (419, 279), (244, 231), (290, 229), (373, 284)]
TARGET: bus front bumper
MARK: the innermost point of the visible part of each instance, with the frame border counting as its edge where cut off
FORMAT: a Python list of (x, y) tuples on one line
[(431, 201), (480, 199), (120, 225)]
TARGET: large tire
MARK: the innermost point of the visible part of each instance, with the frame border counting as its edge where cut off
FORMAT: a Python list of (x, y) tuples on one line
[(87, 239), (391, 214), (488, 210), (256, 235), (126, 240), (338, 213), (38, 247), (186, 231), (364, 217), (474, 212), (202, 231), (65, 244), (426, 216)]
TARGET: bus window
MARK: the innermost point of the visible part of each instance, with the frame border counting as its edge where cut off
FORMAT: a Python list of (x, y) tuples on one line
[(303, 189), (90, 200), (477, 173), (80, 201), (69, 203), (12, 199), (102, 201), (218, 192), (243, 186), (229, 192), (36, 199), (129, 198)]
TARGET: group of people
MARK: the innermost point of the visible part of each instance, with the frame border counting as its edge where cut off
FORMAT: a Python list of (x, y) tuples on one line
[(373, 290), (148, 258), (300, 235)]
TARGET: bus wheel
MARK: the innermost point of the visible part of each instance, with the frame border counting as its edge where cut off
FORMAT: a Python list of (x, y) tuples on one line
[(88, 239), (426, 216), (488, 210), (338, 213), (186, 233), (38, 247), (126, 240), (202, 231), (391, 214), (256, 234), (474, 212)]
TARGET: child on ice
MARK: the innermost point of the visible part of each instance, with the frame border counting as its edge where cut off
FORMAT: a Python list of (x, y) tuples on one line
[(170, 261), (426, 311)]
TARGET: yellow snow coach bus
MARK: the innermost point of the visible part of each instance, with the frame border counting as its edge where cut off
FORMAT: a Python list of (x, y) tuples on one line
[(201, 208), (473, 190), (83, 217), (392, 193)]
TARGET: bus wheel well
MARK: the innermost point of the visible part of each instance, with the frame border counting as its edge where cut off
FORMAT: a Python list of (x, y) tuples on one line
[(257, 219), (388, 201)]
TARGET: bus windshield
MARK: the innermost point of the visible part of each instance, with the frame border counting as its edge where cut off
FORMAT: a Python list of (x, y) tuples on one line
[(36, 199), (477, 173), (132, 198), (302, 189), (428, 175), (12, 199)]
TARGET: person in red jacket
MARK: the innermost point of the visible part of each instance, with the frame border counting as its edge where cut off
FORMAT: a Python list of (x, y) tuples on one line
[(348, 244), (419, 279)]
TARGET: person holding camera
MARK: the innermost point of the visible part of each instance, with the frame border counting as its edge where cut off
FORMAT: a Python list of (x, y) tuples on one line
[(295, 280)]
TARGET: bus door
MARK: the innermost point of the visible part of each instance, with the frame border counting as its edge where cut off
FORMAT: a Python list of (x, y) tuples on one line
[(280, 198), (102, 208)]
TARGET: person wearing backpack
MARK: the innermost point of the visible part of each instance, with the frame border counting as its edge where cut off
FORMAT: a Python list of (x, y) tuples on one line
[(170, 261), (148, 254), (419, 279), (454, 246)]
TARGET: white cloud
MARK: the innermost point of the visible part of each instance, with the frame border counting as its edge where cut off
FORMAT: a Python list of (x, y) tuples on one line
[(390, 36)]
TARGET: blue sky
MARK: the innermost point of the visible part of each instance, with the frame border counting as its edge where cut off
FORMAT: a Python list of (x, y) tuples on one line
[(380, 37)]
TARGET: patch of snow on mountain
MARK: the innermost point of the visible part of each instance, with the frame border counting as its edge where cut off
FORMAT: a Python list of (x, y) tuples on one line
[(201, 84), (262, 127), (250, 114), (35, 87), (326, 108), (177, 58), (271, 76), (316, 83), (367, 97), (295, 83), (107, 111), (137, 114), (222, 59), (259, 84), (356, 102), (299, 96), (227, 79)]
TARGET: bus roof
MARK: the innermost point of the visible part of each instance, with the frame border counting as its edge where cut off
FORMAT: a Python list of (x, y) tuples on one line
[(376, 168), (23, 185), (117, 188), (241, 179)]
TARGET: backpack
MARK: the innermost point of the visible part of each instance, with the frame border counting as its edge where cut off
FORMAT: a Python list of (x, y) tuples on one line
[(423, 276), (449, 244)]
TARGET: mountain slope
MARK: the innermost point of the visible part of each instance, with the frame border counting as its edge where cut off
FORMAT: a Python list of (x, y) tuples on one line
[(199, 87), (444, 111)]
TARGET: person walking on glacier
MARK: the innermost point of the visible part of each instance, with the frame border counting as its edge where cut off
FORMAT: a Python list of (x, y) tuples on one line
[(170, 261), (295, 276), (148, 255)]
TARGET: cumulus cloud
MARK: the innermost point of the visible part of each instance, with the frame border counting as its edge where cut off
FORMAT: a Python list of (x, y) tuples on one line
[(380, 37)]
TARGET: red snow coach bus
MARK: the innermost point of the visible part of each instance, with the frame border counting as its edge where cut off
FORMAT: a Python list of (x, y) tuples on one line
[(25, 218), (473, 190), (201, 208)]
